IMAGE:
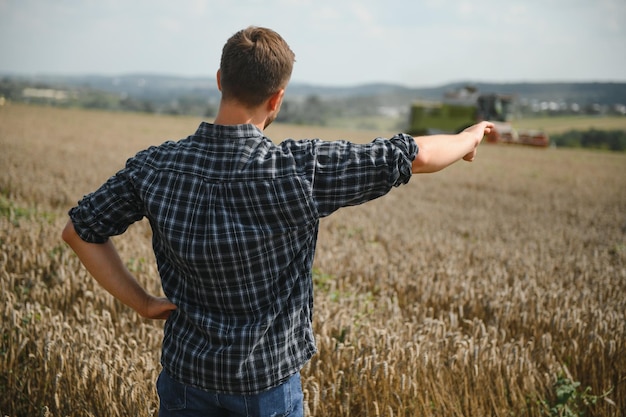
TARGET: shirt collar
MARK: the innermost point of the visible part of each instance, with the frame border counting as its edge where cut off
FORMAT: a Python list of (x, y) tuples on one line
[(243, 131)]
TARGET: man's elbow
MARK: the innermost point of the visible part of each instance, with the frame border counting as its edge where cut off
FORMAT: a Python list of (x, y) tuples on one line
[(421, 163), (418, 164), (69, 233)]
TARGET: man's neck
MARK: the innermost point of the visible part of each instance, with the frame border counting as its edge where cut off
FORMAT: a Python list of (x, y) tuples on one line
[(232, 113)]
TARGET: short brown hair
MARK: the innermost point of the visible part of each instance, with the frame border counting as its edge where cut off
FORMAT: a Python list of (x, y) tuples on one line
[(256, 63)]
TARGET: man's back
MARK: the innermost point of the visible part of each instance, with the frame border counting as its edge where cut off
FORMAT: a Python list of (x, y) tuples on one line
[(235, 220)]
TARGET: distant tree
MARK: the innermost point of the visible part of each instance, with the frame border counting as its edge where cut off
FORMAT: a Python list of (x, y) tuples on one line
[(11, 89), (135, 105), (210, 111), (97, 100), (312, 111), (614, 140)]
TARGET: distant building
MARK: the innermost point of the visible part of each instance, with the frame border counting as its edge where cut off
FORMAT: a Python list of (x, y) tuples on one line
[(45, 93)]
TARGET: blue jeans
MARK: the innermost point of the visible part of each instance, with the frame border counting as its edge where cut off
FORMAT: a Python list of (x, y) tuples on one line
[(180, 400)]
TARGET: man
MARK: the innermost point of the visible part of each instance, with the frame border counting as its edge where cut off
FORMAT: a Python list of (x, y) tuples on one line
[(235, 220)]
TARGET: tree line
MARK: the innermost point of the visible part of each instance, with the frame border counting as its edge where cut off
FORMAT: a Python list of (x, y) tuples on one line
[(612, 140), (312, 110)]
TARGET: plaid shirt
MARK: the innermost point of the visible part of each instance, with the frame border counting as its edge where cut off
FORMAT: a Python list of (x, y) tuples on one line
[(235, 220)]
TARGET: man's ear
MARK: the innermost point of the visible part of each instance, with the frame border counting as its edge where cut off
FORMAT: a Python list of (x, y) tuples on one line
[(218, 77), (275, 100)]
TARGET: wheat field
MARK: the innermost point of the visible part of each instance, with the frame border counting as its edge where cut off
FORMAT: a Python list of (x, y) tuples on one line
[(495, 288)]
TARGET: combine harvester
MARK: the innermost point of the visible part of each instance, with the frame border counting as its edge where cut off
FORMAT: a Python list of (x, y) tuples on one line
[(463, 108)]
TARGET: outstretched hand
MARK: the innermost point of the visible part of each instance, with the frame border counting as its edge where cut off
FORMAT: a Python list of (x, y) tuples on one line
[(478, 132)]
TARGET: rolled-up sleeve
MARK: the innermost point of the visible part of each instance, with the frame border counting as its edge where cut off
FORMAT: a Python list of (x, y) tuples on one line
[(347, 174), (110, 209)]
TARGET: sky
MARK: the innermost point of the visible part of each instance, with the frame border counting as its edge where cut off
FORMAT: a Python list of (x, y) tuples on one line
[(415, 43)]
